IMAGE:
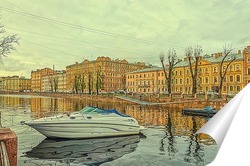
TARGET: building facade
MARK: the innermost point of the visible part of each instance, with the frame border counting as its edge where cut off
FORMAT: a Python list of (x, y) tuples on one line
[(108, 74), (246, 65), (15, 84), (54, 82), (36, 78), (153, 80)]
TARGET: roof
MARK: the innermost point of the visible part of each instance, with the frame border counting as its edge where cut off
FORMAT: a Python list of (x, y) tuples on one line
[(211, 60), (147, 70)]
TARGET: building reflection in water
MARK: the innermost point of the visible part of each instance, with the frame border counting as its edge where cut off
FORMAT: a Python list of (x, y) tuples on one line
[(175, 124)]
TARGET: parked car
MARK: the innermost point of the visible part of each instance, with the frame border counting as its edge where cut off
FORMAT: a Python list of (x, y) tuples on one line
[(212, 92)]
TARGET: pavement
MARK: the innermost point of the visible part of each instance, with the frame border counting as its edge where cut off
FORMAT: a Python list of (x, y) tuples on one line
[(137, 101)]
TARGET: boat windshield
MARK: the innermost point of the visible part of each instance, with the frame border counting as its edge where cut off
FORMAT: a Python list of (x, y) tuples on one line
[(90, 110)]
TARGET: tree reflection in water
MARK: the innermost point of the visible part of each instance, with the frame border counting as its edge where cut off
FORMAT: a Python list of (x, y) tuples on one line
[(169, 137), (195, 151)]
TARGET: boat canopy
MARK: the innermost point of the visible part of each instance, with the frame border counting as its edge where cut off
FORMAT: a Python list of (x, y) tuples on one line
[(90, 110)]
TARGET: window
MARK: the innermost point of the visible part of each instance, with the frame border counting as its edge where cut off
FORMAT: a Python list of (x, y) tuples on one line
[(224, 88), (248, 71), (187, 80), (215, 80), (176, 73), (248, 59), (231, 78), (238, 78), (237, 67), (224, 68), (215, 69), (180, 72), (206, 70), (180, 81), (187, 71), (238, 88), (231, 88), (176, 81), (206, 80), (231, 68)]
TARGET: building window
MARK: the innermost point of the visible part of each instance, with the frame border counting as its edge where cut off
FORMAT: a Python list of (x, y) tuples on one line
[(180, 81), (215, 69), (231, 88), (187, 71), (206, 80), (206, 70), (231, 78), (215, 80), (187, 80), (237, 67), (248, 59), (176, 81), (231, 67), (238, 78), (238, 88), (176, 73), (180, 72), (224, 88), (248, 71)]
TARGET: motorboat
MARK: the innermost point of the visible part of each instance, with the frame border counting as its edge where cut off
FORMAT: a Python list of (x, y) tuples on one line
[(90, 122), (207, 111), (93, 151)]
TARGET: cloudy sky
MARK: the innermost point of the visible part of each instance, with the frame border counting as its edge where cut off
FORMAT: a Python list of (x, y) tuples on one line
[(62, 32)]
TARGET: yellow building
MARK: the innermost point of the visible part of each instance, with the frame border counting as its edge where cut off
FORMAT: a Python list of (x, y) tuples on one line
[(54, 82), (14, 84), (111, 74), (153, 80), (36, 78)]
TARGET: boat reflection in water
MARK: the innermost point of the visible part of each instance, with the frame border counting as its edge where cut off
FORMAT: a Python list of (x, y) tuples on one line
[(86, 151)]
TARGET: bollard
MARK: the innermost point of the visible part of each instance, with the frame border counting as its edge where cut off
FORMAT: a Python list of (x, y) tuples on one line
[(9, 139)]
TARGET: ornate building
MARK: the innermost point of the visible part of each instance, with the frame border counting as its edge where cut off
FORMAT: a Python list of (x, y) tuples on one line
[(153, 80), (103, 74)]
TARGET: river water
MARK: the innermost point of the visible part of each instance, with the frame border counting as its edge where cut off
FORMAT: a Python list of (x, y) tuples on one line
[(168, 139)]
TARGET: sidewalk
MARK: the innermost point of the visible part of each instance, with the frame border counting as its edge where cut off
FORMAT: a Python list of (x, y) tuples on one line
[(137, 101)]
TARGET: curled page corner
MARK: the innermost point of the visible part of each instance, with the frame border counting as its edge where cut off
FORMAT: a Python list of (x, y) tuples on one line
[(227, 127)]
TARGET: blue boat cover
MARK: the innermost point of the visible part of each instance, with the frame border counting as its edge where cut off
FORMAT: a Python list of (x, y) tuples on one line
[(89, 109)]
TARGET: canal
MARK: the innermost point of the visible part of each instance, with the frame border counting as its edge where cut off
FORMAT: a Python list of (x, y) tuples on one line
[(168, 139)]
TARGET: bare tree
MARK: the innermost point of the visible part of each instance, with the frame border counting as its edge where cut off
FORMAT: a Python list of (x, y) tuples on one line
[(55, 82), (194, 56), (51, 83), (82, 83), (7, 43), (90, 82), (98, 80), (169, 69), (226, 61)]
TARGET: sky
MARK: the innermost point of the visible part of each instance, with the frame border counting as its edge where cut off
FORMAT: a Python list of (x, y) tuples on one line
[(63, 32)]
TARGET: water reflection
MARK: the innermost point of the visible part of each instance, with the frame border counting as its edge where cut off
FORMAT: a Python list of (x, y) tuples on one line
[(170, 133), (195, 151), (87, 151)]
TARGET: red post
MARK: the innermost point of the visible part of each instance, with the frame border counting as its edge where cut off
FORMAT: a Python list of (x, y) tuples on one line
[(10, 139)]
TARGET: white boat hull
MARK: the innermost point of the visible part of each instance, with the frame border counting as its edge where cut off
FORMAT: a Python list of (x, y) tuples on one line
[(86, 125), (83, 129)]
